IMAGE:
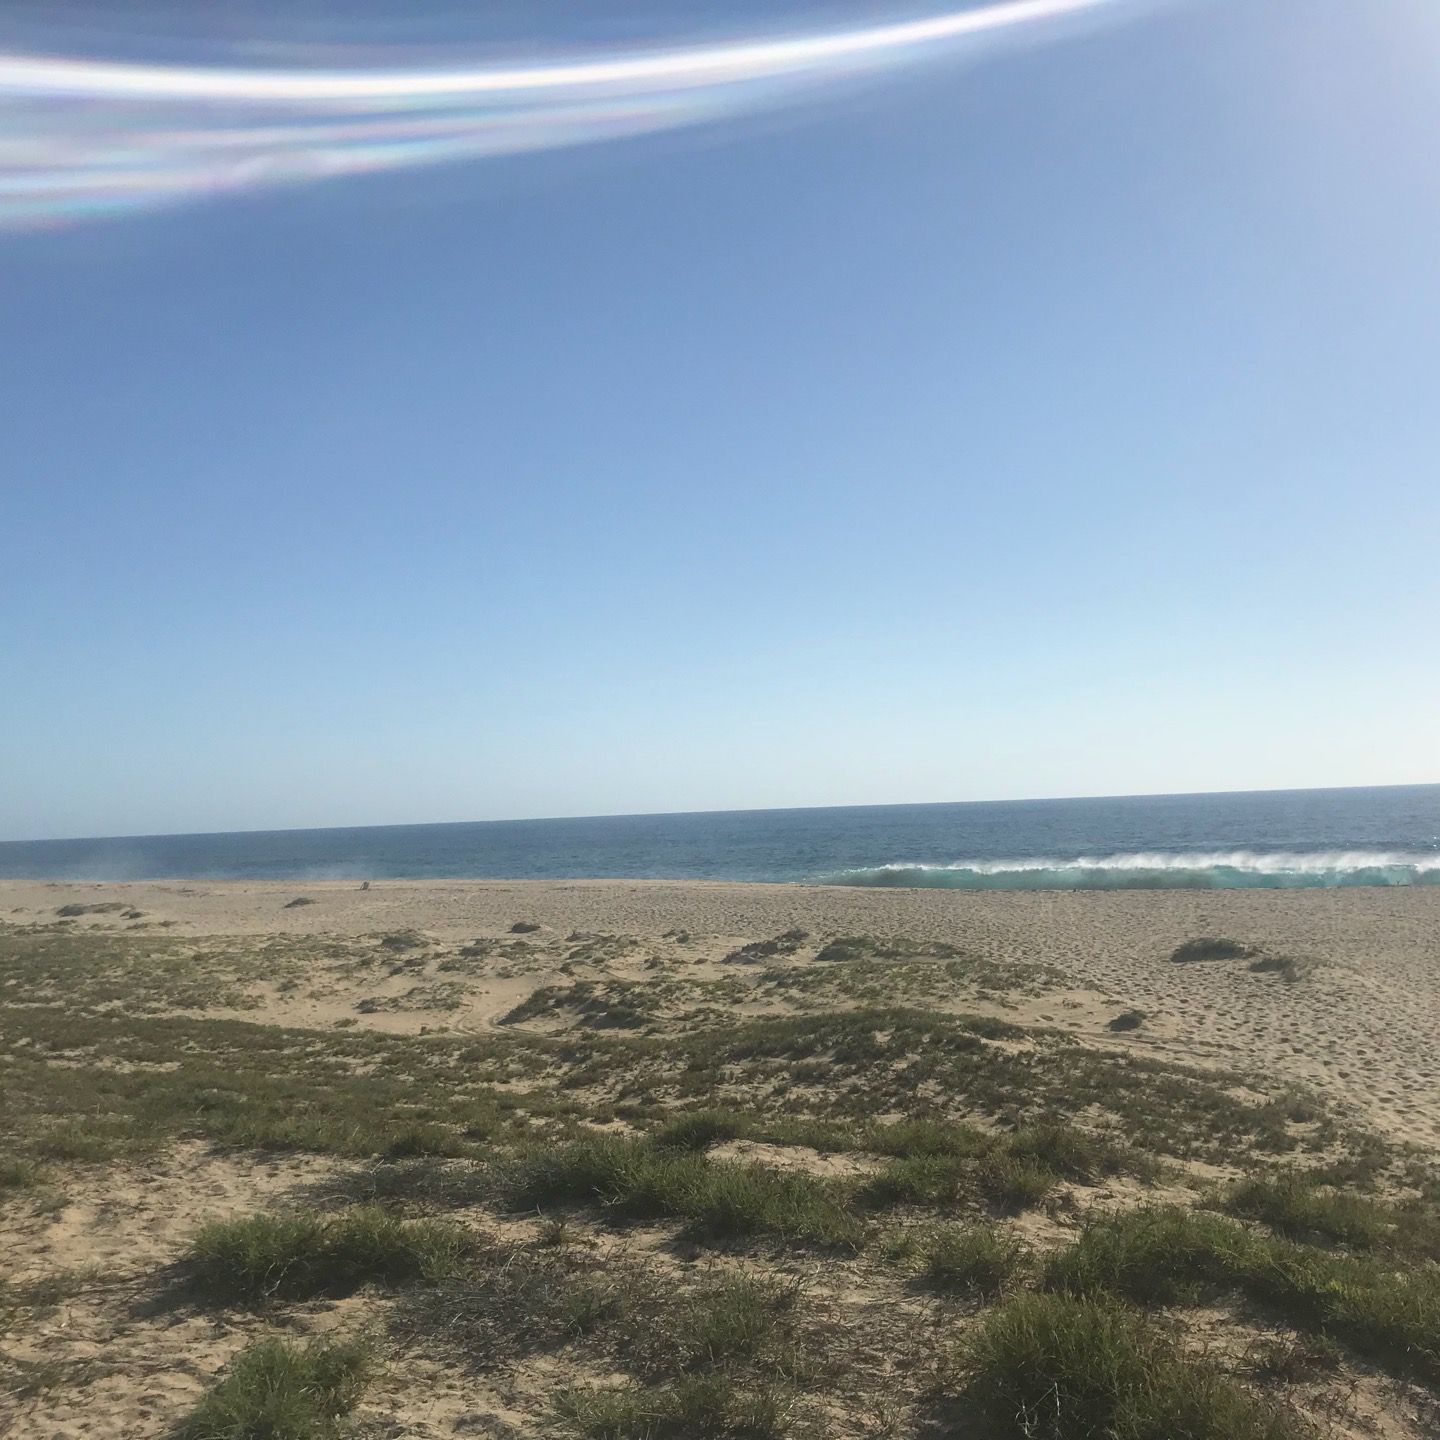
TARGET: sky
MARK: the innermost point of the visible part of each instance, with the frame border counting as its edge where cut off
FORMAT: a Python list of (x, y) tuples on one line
[(1044, 418)]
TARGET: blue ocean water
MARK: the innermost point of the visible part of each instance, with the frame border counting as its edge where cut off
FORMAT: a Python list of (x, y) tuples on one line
[(1262, 839)]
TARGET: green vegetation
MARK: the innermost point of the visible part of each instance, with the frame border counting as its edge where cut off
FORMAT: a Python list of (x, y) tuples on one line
[(1388, 1314), (634, 1180), (1295, 1205), (975, 1259), (295, 1256), (785, 944), (1210, 947), (707, 1407), (1054, 1367), (546, 1205), (280, 1391)]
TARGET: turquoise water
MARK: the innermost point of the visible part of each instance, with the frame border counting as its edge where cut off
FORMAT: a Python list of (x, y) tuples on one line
[(1270, 839)]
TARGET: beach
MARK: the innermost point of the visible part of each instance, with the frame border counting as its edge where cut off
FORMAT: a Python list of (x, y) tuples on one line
[(1364, 1026), (183, 1053)]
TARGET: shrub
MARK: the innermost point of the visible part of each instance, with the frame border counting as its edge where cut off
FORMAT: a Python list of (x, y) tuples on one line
[(916, 1180), (1296, 1206), (19, 1175), (757, 950), (975, 1259), (635, 1180), (278, 1391), (910, 1138), (1128, 1020), (703, 1407), (1014, 1183), (1054, 1367), (699, 1128), (1391, 1316), (1210, 948), (733, 1320), (1065, 1151), (299, 1255)]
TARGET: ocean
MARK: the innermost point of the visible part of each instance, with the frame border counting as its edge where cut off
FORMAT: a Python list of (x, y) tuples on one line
[(1263, 839)]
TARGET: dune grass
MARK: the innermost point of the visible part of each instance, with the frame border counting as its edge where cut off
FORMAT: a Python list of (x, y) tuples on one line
[(1386, 1312), (969, 1259), (705, 1407), (634, 1180), (276, 1390), (296, 1256), (1058, 1367), (1296, 1206), (1210, 947)]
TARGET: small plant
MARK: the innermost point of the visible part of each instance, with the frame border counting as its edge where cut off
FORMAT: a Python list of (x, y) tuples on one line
[(699, 1128), (1127, 1020), (524, 927), (298, 901), (1292, 1360), (20, 1175), (733, 1320), (1014, 1183), (703, 1407), (1210, 947), (1065, 1151), (1063, 1368), (1296, 1206), (785, 944), (977, 1260), (280, 1391), (299, 1255)]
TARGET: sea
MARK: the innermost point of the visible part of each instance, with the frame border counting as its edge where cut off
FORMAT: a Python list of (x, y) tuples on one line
[(1285, 839)]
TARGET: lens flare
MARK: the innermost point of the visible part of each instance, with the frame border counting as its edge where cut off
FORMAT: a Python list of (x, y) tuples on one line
[(82, 137)]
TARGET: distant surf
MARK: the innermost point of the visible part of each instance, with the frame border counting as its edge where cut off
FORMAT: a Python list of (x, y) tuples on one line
[(1280, 840), (1145, 870)]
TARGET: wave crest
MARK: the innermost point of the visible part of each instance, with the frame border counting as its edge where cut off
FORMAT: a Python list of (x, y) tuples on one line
[(1161, 870)]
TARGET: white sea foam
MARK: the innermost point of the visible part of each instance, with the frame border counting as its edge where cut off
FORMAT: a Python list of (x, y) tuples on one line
[(1146, 869)]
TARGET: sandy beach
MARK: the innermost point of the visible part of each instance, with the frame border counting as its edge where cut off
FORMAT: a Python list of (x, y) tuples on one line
[(1364, 1027), (184, 1053)]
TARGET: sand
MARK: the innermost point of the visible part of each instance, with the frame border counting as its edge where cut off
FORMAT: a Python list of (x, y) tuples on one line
[(1363, 1027)]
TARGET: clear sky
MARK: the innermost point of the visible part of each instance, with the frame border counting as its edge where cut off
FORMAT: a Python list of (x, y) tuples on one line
[(1058, 420)]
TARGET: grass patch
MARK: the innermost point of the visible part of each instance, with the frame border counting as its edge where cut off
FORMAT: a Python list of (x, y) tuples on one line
[(20, 1175), (734, 1320), (1055, 1367), (708, 1407), (633, 1180), (757, 950), (1014, 1183), (1295, 1205), (297, 1256), (280, 1391), (973, 1260), (697, 1129), (1210, 947), (896, 947), (1390, 1315)]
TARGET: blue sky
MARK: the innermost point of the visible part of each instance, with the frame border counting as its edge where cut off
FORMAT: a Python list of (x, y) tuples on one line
[(1059, 422)]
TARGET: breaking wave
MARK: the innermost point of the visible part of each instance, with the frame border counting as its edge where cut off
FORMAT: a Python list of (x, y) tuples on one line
[(1155, 870)]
